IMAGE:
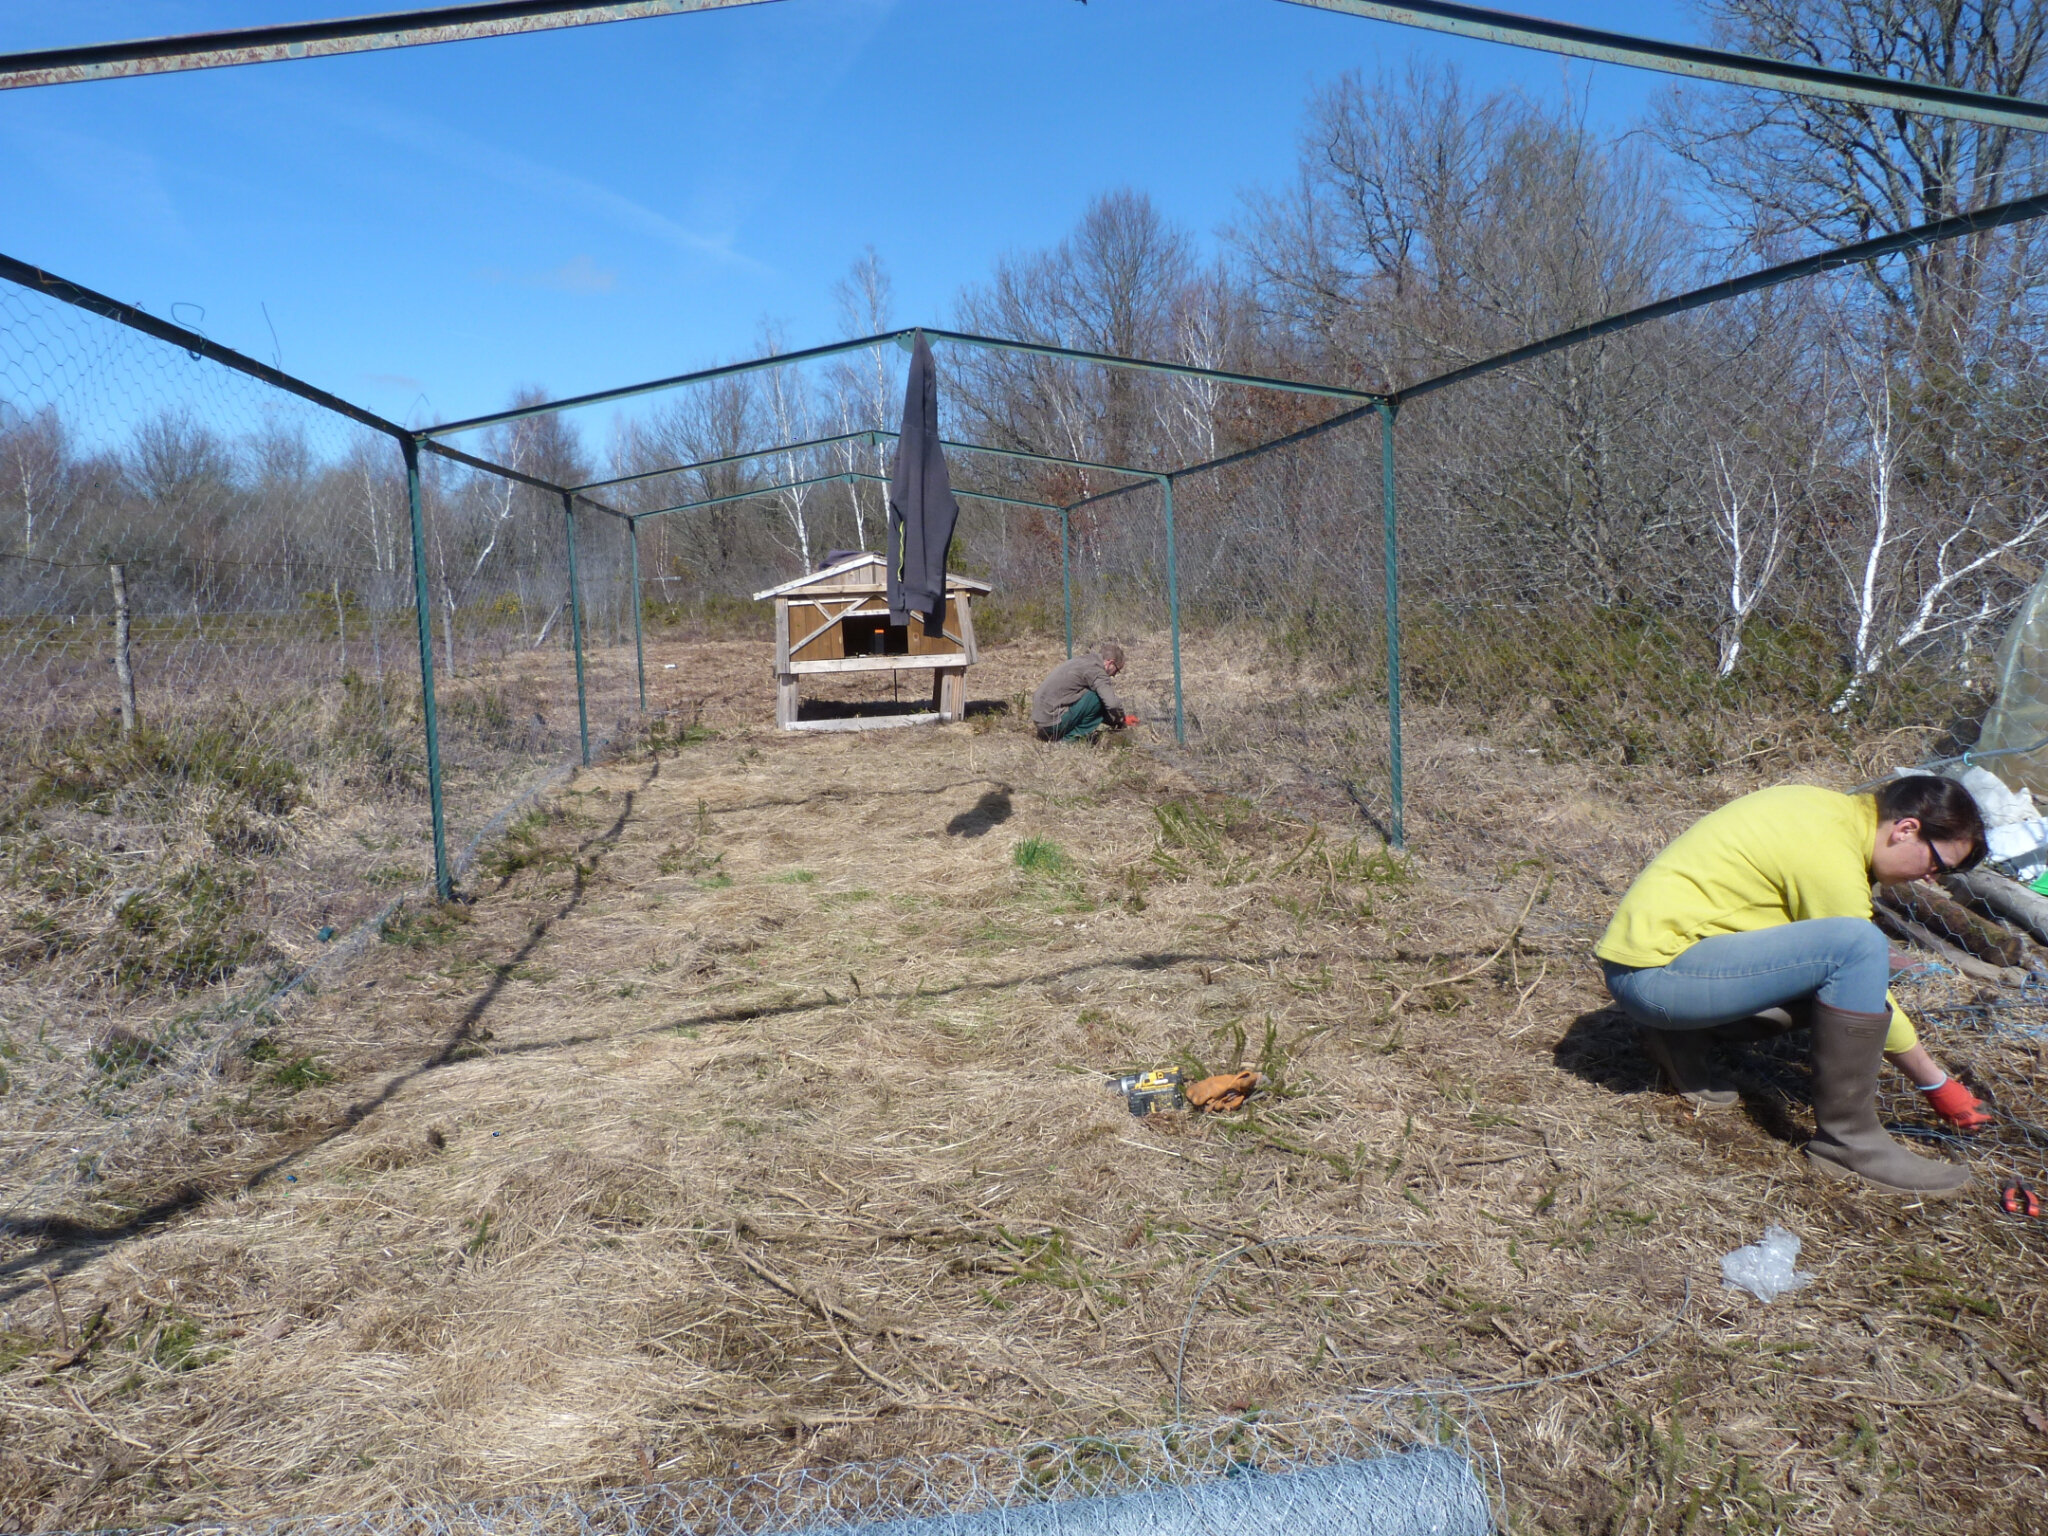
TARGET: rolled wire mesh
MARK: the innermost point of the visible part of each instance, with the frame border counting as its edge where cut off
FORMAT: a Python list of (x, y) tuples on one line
[(1366, 1470)]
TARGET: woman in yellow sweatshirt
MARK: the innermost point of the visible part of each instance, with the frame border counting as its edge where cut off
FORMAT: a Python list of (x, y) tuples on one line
[(1766, 902)]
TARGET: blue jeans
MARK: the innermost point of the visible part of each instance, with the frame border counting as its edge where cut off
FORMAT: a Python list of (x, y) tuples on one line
[(1845, 962)]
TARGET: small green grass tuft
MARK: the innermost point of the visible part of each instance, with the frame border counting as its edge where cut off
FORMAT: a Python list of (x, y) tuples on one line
[(178, 1344), (300, 1073), (425, 927), (1040, 856)]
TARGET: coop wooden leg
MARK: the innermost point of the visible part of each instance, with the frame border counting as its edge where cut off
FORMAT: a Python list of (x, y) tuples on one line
[(785, 701), (951, 687)]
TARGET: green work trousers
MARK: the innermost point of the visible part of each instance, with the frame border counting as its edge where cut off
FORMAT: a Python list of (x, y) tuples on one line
[(1084, 717)]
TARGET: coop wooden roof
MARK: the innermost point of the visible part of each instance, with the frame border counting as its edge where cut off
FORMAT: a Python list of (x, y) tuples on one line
[(836, 578)]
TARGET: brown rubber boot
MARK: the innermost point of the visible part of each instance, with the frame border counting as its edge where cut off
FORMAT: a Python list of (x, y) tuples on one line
[(1688, 1071), (1848, 1048)]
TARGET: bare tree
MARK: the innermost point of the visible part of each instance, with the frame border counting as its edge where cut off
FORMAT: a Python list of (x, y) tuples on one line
[(862, 386), (787, 401), (1750, 521), (1113, 286), (1799, 170), (35, 475), (1929, 554), (521, 524), (714, 549)]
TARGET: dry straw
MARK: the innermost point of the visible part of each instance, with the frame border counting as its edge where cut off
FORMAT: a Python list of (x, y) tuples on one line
[(752, 1122)]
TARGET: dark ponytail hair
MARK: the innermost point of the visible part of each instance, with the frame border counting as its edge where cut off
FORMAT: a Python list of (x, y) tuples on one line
[(1944, 809)]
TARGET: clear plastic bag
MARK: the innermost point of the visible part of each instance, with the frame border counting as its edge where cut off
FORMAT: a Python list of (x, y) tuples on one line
[(2020, 717), (2000, 805), (1764, 1269)]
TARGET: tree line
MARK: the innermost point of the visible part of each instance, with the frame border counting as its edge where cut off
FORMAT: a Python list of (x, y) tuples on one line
[(1861, 457)]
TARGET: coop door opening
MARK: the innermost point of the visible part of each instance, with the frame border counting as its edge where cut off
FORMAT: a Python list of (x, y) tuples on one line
[(874, 635)]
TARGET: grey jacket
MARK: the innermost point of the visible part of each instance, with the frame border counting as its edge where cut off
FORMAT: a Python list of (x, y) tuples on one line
[(921, 506), (1066, 683)]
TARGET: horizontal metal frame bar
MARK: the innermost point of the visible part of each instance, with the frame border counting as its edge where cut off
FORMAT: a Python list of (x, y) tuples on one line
[(163, 330), (79, 297), (1257, 450), (843, 475), (1998, 216), (1008, 501), (456, 455), (461, 23), (865, 434), (324, 39), (1152, 365), (655, 386), (755, 494), (875, 435), (1744, 69), (1046, 458), (832, 349)]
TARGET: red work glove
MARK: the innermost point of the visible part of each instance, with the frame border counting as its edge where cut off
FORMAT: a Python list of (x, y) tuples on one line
[(1958, 1106), (1129, 719)]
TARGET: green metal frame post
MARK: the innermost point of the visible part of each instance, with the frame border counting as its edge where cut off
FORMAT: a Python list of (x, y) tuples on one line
[(1392, 596), (444, 881), (576, 626), (639, 652), (1180, 728), (1066, 585)]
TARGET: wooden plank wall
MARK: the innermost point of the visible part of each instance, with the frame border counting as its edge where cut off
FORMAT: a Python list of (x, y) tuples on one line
[(831, 645)]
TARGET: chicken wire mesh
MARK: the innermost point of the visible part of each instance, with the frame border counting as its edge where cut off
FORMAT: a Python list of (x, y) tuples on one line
[(277, 761), (1359, 1469), (507, 639), (216, 781)]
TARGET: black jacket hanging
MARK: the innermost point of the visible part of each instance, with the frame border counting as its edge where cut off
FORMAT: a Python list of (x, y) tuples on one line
[(921, 506)]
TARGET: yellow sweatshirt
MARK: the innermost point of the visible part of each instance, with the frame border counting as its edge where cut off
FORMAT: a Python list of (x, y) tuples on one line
[(1778, 856)]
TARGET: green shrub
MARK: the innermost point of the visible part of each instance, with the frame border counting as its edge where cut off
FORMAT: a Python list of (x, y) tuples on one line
[(96, 767), (187, 932), (1622, 684), (999, 619)]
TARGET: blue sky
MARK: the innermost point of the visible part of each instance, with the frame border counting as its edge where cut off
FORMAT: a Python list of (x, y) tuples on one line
[(429, 228)]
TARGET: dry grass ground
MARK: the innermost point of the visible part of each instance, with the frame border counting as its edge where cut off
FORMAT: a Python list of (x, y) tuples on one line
[(158, 890), (752, 1116)]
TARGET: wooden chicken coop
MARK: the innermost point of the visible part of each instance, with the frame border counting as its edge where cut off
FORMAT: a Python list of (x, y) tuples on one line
[(837, 620)]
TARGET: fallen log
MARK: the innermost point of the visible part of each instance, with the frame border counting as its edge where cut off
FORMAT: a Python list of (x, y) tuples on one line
[(1988, 941), (2007, 897), (1899, 925)]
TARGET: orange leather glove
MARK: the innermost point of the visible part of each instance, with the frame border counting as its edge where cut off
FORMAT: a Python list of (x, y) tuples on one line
[(1224, 1092), (1957, 1105)]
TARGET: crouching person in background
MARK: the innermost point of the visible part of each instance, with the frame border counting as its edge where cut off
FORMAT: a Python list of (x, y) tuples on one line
[(1765, 904), (1077, 699)]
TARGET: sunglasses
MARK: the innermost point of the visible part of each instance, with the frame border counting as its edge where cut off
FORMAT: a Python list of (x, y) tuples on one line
[(1934, 853)]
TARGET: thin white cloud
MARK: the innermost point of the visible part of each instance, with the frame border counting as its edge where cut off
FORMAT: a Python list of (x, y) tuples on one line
[(124, 187), (430, 139), (579, 274)]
